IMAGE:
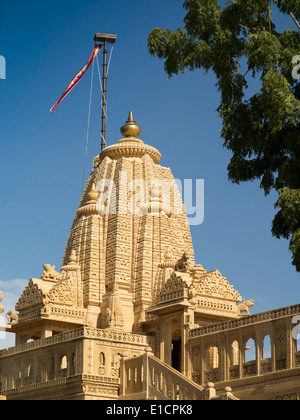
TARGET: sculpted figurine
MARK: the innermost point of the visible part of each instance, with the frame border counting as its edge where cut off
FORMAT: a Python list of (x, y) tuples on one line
[(184, 264), (11, 317), (50, 273), (244, 307), (1, 305)]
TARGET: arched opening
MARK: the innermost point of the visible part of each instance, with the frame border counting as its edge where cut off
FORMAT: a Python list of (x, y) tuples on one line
[(250, 351), (28, 370), (102, 359), (172, 344), (298, 341), (176, 354), (267, 348), (64, 363)]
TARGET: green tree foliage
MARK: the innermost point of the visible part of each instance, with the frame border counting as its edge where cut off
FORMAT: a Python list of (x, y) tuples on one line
[(238, 42)]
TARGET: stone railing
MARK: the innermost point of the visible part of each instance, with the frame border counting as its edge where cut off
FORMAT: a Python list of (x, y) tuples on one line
[(181, 293), (146, 377), (83, 332), (271, 336), (246, 321)]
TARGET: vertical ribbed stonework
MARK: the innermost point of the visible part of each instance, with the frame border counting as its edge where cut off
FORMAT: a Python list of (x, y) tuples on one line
[(126, 221)]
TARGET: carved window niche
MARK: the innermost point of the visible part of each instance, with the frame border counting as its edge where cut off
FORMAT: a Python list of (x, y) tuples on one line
[(51, 368), (212, 365), (73, 364), (115, 366), (28, 374), (18, 376), (250, 351), (266, 362), (63, 366), (250, 363), (38, 378), (267, 348), (101, 369)]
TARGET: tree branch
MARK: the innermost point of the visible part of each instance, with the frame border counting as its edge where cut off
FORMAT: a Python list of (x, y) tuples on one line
[(295, 20), (293, 17)]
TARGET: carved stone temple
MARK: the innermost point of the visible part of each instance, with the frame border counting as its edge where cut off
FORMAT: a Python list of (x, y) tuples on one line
[(131, 315)]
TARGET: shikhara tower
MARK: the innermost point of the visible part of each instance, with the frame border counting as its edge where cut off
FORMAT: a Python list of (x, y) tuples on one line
[(130, 314)]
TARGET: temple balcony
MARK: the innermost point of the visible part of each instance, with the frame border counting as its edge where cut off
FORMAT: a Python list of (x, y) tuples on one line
[(257, 349)]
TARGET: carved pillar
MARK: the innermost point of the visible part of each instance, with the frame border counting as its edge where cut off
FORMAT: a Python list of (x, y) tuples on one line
[(202, 361), (290, 354), (222, 359), (241, 354), (226, 358), (273, 345), (258, 349)]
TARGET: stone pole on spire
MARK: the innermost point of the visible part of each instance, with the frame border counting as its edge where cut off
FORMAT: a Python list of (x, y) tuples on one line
[(105, 39)]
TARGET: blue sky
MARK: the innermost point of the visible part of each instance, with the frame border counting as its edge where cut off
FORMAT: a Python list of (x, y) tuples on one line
[(42, 154)]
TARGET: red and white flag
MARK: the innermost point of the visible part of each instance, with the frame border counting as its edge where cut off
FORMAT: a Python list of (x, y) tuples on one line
[(78, 76)]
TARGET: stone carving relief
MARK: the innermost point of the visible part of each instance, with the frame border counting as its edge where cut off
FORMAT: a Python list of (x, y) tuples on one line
[(12, 317), (50, 273), (185, 264), (173, 284), (31, 296), (113, 313), (244, 306), (61, 293), (215, 285), (1, 305)]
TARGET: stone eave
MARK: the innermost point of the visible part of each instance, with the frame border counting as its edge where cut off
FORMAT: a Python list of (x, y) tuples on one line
[(169, 307)]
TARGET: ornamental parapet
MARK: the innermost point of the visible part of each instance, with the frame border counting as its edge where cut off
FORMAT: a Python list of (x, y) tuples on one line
[(83, 332), (246, 321), (243, 351)]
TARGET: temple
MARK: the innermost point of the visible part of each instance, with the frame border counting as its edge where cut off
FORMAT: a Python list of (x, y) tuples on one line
[(131, 315)]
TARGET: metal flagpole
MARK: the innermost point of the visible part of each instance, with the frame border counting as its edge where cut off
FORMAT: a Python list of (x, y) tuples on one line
[(105, 39)]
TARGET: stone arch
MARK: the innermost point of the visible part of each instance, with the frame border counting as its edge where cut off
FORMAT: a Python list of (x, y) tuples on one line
[(266, 347), (102, 358), (250, 350), (63, 362), (28, 370)]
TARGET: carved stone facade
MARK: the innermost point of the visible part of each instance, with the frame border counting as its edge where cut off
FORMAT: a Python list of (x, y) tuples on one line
[(131, 315)]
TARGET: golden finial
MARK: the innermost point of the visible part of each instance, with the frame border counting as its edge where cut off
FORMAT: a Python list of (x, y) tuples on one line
[(130, 129)]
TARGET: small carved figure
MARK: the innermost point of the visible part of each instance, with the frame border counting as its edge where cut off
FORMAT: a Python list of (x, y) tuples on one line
[(244, 306), (192, 292), (11, 317), (50, 273), (184, 264), (108, 316), (1, 305)]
